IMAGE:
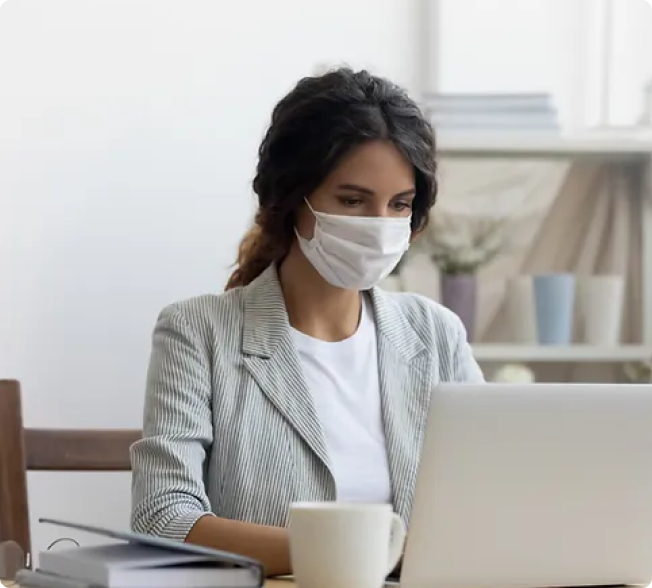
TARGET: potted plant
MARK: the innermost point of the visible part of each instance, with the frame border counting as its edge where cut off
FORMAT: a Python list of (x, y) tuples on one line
[(461, 244), (639, 372)]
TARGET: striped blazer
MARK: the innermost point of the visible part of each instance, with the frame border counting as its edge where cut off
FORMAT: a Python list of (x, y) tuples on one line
[(230, 427)]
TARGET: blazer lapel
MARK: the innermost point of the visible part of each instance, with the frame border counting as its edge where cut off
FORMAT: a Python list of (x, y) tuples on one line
[(406, 371), (272, 360)]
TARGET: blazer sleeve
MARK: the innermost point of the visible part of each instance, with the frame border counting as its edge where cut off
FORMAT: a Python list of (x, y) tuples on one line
[(168, 492)]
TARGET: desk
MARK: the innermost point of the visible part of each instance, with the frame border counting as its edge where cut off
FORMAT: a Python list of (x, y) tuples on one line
[(285, 582), (270, 583), (282, 582)]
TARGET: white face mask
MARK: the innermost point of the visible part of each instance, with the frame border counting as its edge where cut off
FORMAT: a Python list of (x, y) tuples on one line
[(356, 252)]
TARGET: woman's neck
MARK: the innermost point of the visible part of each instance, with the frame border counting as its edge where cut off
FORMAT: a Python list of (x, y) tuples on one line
[(314, 306)]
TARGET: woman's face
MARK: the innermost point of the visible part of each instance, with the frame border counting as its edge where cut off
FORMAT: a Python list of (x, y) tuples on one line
[(375, 179)]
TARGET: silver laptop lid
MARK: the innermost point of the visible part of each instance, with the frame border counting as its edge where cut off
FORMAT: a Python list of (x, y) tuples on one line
[(524, 486)]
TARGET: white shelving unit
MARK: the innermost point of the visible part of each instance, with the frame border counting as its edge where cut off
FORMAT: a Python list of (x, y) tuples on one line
[(545, 145), (607, 147), (569, 354)]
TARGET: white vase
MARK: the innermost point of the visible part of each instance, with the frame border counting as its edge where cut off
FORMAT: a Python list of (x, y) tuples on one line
[(601, 300), (519, 306)]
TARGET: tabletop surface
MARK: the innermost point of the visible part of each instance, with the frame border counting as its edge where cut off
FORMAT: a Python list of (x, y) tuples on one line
[(271, 583), (284, 582)]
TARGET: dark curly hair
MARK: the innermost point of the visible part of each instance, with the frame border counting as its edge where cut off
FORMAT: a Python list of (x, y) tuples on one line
[(312, 129)]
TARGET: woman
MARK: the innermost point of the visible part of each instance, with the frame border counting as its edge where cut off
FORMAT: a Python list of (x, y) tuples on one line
[(303, 381)]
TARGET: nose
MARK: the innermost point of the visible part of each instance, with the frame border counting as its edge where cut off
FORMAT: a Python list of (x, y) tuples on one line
[(379, 208)]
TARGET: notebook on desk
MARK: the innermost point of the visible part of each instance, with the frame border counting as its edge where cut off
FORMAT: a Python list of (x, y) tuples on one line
[(141, 561)]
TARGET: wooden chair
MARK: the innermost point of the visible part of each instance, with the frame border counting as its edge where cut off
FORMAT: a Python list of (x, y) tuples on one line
[(22, 450)]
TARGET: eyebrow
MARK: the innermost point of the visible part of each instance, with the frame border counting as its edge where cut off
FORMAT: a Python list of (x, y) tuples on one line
[(363, 190)]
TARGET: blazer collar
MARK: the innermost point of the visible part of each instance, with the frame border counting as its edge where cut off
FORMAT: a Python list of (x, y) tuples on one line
[(406, 371), (392, 324), (266, 320), (265, 316), (273, 362)]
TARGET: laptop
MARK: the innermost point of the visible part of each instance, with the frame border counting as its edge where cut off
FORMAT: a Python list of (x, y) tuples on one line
[(533, 486)]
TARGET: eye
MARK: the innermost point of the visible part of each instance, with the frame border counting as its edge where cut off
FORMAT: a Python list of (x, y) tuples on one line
[(351, 201), (400, 206)]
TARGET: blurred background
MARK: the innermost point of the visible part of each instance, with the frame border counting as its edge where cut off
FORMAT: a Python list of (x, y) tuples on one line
[(128, 139)]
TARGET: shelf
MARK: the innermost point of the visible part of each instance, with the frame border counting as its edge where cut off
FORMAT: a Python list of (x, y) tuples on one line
[(545, 144), (569, 354)]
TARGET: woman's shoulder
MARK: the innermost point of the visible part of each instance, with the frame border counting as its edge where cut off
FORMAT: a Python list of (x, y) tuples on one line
[(208, 303), (430, 319), (441, 330), (418, 307), (206, 313)]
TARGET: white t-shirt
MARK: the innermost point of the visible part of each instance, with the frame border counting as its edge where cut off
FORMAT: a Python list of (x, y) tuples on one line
[(343, 380)]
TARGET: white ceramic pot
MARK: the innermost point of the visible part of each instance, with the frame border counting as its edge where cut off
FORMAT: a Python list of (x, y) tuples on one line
[(601, 300), (519, 307)]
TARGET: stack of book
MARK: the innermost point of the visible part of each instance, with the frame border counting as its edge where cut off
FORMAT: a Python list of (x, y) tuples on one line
[(493, 113), (139, 561)]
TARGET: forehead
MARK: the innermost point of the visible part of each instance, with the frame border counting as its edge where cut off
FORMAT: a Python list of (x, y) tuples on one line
[(377, 163)]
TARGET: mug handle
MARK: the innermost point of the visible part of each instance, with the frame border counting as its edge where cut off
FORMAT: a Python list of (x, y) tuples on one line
[(397, 542)]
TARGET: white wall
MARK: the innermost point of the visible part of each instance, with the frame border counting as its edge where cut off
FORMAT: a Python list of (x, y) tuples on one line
[(128, 136), (631, 58), (552, 46), (485, 43)]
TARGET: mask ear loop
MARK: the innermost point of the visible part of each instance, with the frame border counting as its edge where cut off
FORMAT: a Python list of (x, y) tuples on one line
[(310, 207), (296, 232)]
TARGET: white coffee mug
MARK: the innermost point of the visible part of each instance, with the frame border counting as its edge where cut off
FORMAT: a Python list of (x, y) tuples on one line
[(344, 545)]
